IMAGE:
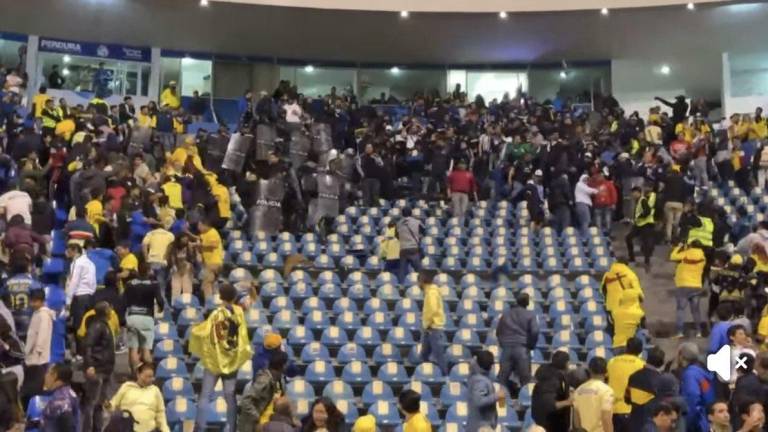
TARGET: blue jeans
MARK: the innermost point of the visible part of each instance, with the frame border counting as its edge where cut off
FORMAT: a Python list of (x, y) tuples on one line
[(433, 342), (604, 218), (515, 359), (161, 273), (584, 216), (209, 382), (688, 297), (408, 256)]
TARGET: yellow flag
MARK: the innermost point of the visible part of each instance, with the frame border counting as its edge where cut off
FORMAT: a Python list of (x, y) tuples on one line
[(221, 341)]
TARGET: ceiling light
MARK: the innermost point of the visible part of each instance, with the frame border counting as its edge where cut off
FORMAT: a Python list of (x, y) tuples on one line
[(309, 68), (404, 14), (66, 59), (604, 11), (665, 70), (563, 74), (395, 70), (65, 72), (691, 6), (503, 15), (204, 3)]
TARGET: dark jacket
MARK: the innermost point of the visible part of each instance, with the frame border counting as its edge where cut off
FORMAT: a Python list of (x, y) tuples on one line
[(257, 397), (518, 327), (674, 188), (262, 356), (279, 423), (748, 387), (559, 193), (551, 387), (99, 347), (482, 400), (62, 412), (645, 390)]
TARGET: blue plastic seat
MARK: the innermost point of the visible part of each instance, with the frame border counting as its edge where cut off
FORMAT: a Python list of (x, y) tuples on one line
[(312, 304), (405, 305), (379, 321), (386, 413), (586, 294), (177, 387), (410, 321), (270, 275), (185, 300), (297, 276), (329, 291), (595, 322), (356, 372), (565, 338), (338, 390), (300, 291), (590, 308), (272, 260), (467, 337), (261, 248), (601, 351), (385, 353), (325, 262), (348, 320), (167, 348), (350, 352), (299, 336), (388, 292), (357, 278), (456, 353), (393, 373), (180, 410), (171, 367), (319, 372), (457, 413), (334, 336), (314, 351), (317, 320), (189, 316), (373, 263), (452, 392), (377, 390), (560, 308), (598, 338), (460, 372), (165, 330), (374, 305), (400, 337), (286, 319), (450, 264), (359, 292), (473, 321), (344, 304), (299, 388), (428, 373), (349, 262), (279, 304), (269, 290), (311, 250), (524, 397), (367, 337)]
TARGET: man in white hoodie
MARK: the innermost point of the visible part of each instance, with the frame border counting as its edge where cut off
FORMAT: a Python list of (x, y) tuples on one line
[(37, 351), (583, 197)]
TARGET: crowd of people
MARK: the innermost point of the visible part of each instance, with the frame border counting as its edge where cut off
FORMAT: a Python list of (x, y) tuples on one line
[(132, 181)]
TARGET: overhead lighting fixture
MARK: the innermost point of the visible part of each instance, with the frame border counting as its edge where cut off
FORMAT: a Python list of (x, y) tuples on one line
[(204, 3), (395, 70), (404, 14), (665, 70), (604, 11), (563, 74), (309, 68), (690, 6), (65, 72), (503, 15), (66, 58)]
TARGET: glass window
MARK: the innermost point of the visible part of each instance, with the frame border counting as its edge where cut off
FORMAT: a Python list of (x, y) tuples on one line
[(749, 74), (195, 75), (9, 53), (399, 83), (314, 82), (456, 77), (88, 73), (493, 85)]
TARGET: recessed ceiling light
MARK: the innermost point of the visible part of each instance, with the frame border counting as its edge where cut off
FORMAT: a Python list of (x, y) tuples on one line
[(690, 6), (563, 74), (395, 70), (65, 72), (66, 59), (404, 14), (309, 68), (665, 70), (604, 11), (503, 15), (204, 3)]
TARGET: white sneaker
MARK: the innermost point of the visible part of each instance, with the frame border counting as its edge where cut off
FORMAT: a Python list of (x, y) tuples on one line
[(678, 336)]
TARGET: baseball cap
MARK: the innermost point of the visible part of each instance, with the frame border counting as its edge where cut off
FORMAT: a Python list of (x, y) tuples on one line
[(538, 173), (272, 341)]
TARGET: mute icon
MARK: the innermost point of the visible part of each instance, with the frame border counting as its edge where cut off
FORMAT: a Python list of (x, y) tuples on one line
[(720, 363)]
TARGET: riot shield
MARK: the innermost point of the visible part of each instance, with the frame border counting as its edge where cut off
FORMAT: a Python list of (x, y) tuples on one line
[(299, 147), (266, 136), (266, 215), (327, 201), (237, 149), (215, 149), (322, 142)]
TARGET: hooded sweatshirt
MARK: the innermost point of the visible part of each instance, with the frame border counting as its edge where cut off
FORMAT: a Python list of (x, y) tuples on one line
[(482, 400), (145, 404), (39, 336)]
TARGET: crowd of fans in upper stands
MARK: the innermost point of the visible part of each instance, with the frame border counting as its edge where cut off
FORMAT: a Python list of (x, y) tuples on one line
[(162, 207)]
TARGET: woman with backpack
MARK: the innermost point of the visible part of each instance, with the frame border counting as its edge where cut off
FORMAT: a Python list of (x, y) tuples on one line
[(138, 404)]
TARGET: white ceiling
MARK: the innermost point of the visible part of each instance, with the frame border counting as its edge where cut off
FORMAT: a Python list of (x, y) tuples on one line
[(475, 6)]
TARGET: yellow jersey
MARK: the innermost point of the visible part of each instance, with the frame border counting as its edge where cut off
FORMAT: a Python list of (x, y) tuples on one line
[(620, 368), (590, 400), (94, 214), (213, 249), (417, 423)]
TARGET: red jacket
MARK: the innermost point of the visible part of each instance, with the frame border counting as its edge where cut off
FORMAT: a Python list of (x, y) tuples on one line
[(462, 181), (606, 195)]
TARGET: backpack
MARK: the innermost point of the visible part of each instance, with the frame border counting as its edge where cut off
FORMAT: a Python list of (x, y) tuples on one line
[(120, 421)]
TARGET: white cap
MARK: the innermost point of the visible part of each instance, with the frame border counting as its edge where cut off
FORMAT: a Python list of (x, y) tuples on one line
[(538, 173)]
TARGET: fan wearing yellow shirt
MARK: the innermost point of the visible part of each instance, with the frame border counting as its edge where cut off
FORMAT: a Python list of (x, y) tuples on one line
[(169, 97), (409, 403), (620, 368), (94, 213), (593, 401), (144, 118), (156, 245), (173, 190), (39, 100), (129, 264), (213, 254), (221, 193)]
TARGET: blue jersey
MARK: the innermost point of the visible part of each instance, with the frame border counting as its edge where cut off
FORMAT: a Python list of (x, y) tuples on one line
[(17, 289)]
